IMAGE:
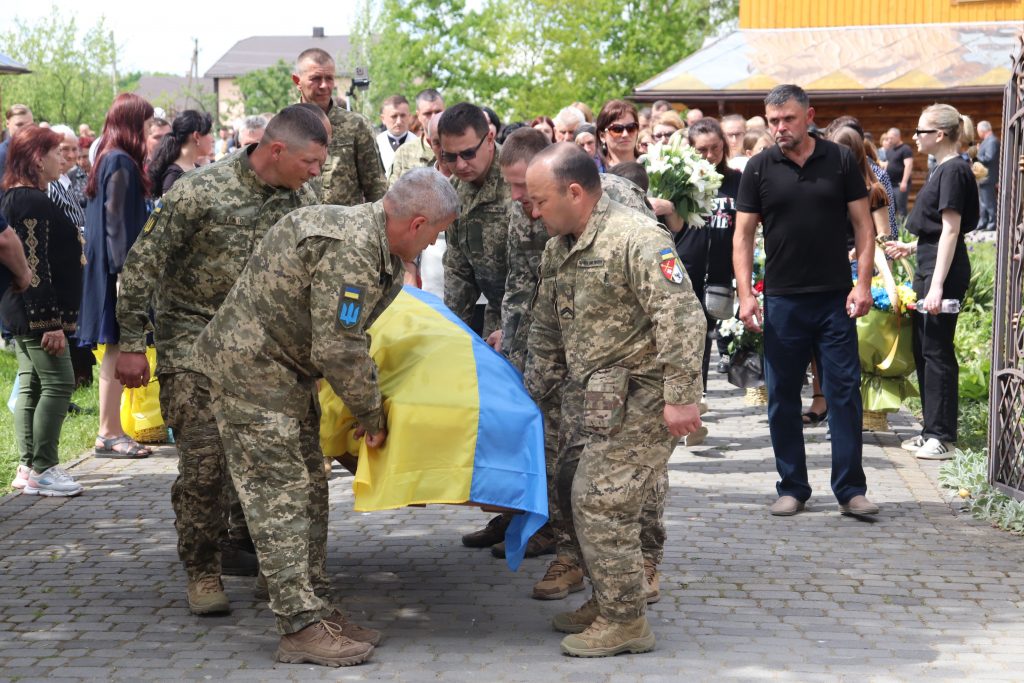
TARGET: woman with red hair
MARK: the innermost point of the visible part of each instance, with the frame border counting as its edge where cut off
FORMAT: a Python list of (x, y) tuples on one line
[(546, 126), (114, 216), (41, 315)]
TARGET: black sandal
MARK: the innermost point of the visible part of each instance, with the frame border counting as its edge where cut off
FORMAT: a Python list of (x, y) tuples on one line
[(811, 418)]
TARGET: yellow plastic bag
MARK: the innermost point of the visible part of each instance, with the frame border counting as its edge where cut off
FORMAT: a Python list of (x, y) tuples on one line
[(140, 408)]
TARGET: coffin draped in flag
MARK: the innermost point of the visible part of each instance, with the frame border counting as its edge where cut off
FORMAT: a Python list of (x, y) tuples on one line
[(461, 427)]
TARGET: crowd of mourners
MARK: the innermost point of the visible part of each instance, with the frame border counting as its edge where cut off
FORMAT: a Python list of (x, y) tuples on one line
[(541, 236)]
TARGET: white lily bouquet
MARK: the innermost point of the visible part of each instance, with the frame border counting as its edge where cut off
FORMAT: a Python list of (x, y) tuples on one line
[(681, 175)]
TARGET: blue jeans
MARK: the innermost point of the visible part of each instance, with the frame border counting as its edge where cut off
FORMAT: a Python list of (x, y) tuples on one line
[(795, 328)]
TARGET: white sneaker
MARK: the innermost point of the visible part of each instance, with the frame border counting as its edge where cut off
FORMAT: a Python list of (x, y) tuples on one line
[(913, 445), (703, 405), (696, 438), (21, 478), (933, 449), (53, 482)]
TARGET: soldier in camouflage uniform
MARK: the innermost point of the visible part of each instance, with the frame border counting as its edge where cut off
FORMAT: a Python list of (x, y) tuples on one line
[(353, 173), (417, 152), (526, 240), (615, 315), (193, 248), (299, 312), (475, 259)]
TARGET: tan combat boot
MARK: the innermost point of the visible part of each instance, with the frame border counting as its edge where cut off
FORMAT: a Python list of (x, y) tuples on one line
[(322, 643), (360, 634), (652, 582), (578, 621), (206, 596), (561, 578), (606, 638)]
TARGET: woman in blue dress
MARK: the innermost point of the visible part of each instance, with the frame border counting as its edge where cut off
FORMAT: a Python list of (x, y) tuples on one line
[(114, 216)]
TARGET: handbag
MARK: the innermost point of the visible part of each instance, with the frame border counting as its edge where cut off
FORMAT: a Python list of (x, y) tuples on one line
[(720, 301)]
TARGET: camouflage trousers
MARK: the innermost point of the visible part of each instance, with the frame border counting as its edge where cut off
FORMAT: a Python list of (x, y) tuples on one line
[(624, 456), (206, 507), (563, 445), (277, 466)]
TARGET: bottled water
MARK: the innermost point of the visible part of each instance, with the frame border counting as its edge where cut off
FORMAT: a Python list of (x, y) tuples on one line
[(945, 306)]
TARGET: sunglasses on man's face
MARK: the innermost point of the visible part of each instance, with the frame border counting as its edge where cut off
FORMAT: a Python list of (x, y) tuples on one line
[(465, 155), (619, 129)]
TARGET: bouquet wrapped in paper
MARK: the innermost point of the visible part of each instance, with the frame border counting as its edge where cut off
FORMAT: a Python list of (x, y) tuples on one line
[(746, 349), (884, 343), (681, 175)]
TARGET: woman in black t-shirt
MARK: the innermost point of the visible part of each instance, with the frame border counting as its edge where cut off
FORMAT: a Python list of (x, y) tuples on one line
[(189, 141), (945, 207), (706, 252)]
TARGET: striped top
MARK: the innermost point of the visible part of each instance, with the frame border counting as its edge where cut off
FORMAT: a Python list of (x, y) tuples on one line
[(62, 196)]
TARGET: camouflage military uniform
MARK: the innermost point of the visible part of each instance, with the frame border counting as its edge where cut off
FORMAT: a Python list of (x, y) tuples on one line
[(299, 312), (526, 240), (615, 314), (525, 244), (353, 173), (415, 153), (474, 261), (192, 250)]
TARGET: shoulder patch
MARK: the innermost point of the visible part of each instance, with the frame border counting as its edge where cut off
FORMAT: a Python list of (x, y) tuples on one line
[(670, 267), (350, 306), (151, 221)]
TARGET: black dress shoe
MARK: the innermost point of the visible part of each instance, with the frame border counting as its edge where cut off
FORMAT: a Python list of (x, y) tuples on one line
[(493, 533), (238, 560)]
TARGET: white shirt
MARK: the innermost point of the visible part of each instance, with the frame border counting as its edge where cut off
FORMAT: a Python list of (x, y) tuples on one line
[(387, 154)]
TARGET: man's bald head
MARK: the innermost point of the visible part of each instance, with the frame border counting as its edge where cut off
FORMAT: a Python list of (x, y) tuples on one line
[(564, 187), (569, 164)]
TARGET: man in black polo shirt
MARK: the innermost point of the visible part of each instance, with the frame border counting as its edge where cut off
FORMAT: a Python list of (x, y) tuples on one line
[(801, 190)]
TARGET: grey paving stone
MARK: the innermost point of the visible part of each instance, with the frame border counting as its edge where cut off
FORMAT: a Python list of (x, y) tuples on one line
[(922, 594)]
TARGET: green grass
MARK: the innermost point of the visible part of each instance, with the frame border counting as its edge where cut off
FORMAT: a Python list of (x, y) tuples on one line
[(78, 434)]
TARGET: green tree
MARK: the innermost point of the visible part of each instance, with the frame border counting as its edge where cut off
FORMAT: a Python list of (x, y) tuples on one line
[(529, 57), (414, 44), (72, 73), (269, 89)]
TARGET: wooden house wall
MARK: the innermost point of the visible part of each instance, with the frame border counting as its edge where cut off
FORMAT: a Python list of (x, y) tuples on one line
[(822, 13)]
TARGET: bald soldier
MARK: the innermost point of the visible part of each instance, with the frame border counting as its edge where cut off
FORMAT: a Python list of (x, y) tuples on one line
[(615, 315), (353, 173), (298, 313), (526, 240), (193, 248)]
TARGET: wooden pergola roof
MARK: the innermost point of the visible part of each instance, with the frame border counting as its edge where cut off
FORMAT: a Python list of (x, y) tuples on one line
[(862, 62)]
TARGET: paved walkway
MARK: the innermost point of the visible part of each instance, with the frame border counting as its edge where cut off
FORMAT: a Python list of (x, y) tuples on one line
[(91, 587)]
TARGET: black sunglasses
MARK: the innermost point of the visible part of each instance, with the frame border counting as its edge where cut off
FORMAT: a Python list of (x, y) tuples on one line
[(466, 154), (922, 131), (619, 128)]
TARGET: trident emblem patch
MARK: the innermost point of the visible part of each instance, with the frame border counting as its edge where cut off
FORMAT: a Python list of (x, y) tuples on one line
[(350, 306)]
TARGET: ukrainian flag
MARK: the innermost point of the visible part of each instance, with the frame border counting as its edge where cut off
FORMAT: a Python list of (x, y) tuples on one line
[(461, 427)]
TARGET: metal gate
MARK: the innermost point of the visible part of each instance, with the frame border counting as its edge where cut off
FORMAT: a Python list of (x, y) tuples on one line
[(1006, 396)]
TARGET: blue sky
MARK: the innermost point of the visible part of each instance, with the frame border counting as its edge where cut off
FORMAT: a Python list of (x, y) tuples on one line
[(154, 39)]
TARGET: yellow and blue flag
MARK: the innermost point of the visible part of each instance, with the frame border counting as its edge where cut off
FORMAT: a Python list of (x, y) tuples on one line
[(461, 426)]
